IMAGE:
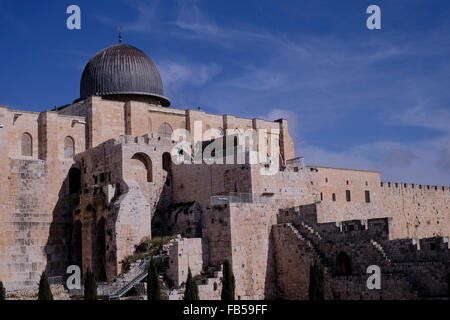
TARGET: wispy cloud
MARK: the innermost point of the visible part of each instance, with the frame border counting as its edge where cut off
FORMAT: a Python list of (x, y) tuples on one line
[(421, 162), (176, 74), (145, 21), (421, 116)]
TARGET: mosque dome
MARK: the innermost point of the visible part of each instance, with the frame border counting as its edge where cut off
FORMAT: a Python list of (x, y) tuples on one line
[(122, 71)]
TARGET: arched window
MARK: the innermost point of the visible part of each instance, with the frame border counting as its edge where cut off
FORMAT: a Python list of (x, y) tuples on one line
[(142, 165), (69, 148), (165, 130), (27, 145), (343, 264)]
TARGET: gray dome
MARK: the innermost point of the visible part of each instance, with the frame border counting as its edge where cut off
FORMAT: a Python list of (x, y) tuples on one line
[(122, 70)]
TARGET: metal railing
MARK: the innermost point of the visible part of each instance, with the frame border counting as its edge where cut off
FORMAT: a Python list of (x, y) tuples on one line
[(232, 197)]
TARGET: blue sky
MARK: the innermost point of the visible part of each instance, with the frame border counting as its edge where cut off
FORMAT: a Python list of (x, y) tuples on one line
[(355, 98)]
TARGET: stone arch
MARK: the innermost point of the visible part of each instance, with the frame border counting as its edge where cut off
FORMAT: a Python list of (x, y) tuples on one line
[(100, 250), (142, 165), (27, 145), (165, 130), (74, 180), (343, 264), (76, 253), (69, 147)]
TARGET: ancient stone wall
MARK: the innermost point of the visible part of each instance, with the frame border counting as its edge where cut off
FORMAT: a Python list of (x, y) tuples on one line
[(24, 229), (417, 211), (186, 253)]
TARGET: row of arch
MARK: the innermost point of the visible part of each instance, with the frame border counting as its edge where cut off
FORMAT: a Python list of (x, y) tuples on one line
[(26, 146)]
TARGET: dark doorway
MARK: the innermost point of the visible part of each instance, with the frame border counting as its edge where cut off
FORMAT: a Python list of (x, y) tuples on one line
[(74, 180), (343, 264), (76, 252), (100, 251)]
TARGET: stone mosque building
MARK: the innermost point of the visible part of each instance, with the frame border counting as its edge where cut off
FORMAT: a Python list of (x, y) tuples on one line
[(85, 183)]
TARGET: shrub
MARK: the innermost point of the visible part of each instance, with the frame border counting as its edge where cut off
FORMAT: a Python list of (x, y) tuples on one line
[(316, 286), (191, 292), (90, 286), (2, 292), (44, 288), (153, 285), (228, 285)]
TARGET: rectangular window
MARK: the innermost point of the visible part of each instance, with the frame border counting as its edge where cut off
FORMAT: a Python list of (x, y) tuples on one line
[(321, 196), (333, 196), (347, 195), (367, 196)]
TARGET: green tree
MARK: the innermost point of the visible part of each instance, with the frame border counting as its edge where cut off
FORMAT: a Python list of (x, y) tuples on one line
[(191, 292), (316, 286), (44, 288), (228, 284), (2, 291), (153, 285), (90, 286)]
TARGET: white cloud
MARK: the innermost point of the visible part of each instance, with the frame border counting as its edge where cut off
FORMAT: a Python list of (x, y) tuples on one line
[(420, 116), (176, 75), (420, 162)]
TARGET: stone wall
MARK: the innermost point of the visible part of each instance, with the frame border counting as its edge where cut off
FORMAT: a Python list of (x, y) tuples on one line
[(186, 253), (25, 229), (417, 211)]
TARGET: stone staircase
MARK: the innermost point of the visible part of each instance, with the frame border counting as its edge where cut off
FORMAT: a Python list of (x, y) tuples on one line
[(327, 267), (126, 281), (380, 250)]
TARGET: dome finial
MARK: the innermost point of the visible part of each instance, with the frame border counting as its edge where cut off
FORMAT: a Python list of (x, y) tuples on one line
[(120, 34)]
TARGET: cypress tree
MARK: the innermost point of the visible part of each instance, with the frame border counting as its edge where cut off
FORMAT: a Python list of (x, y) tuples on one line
[(191, 292), (316, 286), (90, 286), (44, 288), (153, 285), (2, 291), (228, 285)]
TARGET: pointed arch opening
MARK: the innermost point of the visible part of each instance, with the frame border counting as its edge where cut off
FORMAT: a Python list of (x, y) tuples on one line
[(27, 145), (69, 147), (343, 264)]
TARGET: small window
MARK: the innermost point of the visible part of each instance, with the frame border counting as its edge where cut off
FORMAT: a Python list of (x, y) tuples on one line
[(347, 182), (333, 196), (367, 196), (27, 145), (165, 130), (321, 196), (347, 195), (326, 180), (69, 148)]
